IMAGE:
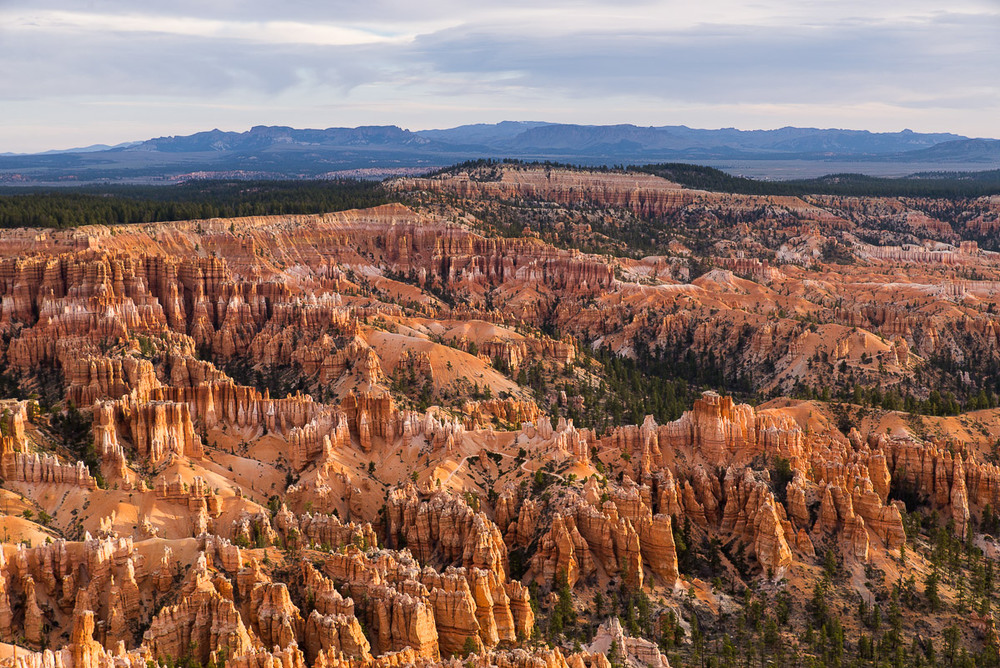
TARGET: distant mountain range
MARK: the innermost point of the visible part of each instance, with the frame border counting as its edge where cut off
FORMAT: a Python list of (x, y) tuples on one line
[(79, 149), (283, 152)]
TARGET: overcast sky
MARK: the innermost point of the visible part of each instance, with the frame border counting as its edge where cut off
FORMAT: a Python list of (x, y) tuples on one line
[(78, 72)]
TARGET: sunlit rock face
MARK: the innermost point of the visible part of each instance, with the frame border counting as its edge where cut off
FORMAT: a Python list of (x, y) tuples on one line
[(359, 439)]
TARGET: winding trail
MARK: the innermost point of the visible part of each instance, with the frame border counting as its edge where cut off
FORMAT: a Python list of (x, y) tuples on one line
[(529, 471), (452, 474)]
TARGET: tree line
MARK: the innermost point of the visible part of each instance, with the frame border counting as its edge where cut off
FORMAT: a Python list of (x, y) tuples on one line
[(119, 204), (932, 184)]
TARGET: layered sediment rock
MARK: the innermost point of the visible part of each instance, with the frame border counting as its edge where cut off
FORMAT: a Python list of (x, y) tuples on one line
[(444, 525), (198, 624), (124, 322)]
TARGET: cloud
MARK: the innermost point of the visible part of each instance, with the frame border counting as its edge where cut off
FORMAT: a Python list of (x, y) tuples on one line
[(264, 32), (235, 62), (727, 63)]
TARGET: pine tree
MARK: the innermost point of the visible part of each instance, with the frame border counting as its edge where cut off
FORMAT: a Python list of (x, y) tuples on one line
[(931, 590)]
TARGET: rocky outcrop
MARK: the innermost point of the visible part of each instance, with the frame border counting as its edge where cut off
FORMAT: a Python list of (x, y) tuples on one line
[(443, 529), (633, 651), (643, 193), (429, 610), (323, 593), (18, 464), (82, 651), (725, 433), (158, 429), (202, 503), (92, 377), (32, 614), (41, 469), (323, 531), (620, 534), (952, 483), (563, 552), (752, 513), (121, 321), (275, 619), (200, 623), (335, 635), (455, 613)]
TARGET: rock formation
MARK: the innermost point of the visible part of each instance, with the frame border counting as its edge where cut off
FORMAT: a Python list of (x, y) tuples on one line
[(353, 440)]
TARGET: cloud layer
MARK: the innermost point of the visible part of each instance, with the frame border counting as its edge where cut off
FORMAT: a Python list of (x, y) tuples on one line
[(108, 70)]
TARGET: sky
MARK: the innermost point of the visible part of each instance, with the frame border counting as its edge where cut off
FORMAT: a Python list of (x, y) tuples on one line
[(80, 72)]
